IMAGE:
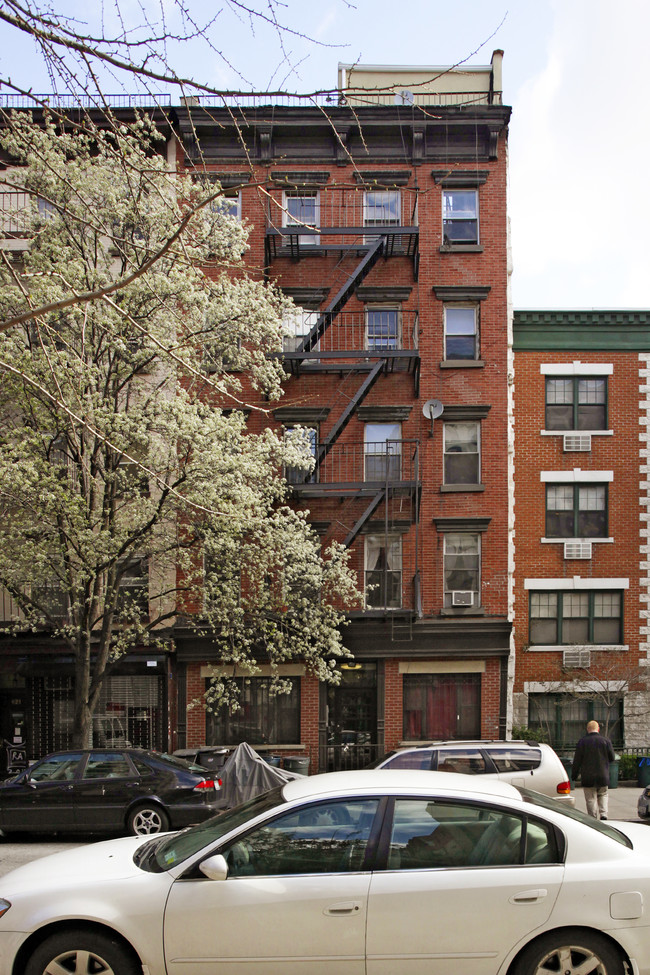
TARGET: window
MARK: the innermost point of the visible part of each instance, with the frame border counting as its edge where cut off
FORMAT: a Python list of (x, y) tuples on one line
[(460, 216), (461, 453), (297, 326), (299, 475), (133, 582), (563, 717), (381, 208), (461, 332), (232, 203), (383, 451), (462, 562), (576, 403), (330, 837), (383, 554), (467, 761), (576, 510), (57, 768), (302, 208), (111, 765), (568, 618), (428, 834), (51, 599), (442, 706), (383, 329), (263, 717)]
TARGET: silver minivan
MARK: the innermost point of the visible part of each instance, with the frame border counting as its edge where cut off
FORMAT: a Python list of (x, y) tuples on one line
[(529, 764)]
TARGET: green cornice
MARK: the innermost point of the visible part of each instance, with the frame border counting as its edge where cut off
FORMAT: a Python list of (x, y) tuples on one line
[(611, 330)]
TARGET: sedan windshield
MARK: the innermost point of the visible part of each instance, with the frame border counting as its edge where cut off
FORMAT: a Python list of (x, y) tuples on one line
[(162, 854), (539, 800)]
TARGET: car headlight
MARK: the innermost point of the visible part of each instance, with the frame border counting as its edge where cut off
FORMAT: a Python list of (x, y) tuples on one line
[(4, 906)]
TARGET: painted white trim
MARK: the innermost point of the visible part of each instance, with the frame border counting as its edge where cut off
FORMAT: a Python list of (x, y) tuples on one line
[(576, 368), (264, 670), (576, 583), (442, 667), (586, 686), (577, 475), (562, 433), (561, 541), (561, 647)]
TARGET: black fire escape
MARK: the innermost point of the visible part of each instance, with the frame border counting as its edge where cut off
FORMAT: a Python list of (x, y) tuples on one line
[(384, 484)]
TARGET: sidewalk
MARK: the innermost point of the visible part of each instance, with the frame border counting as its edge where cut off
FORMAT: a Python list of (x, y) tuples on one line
[(622, 802)]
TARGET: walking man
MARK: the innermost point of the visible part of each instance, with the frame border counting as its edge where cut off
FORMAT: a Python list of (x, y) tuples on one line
[(591, 761)]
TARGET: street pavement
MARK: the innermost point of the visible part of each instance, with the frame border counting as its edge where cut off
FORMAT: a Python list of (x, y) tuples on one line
[(622, 805), (622, 802)]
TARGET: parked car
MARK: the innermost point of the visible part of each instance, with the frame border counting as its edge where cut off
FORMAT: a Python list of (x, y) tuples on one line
[(521, 763), (364, 871), (104, 790)]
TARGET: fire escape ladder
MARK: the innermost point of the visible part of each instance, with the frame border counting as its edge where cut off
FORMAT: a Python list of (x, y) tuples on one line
[(326, 445), (374, 504), (328, 314)]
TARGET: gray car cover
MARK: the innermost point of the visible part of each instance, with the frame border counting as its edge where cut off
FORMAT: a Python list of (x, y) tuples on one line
[(245, 774)]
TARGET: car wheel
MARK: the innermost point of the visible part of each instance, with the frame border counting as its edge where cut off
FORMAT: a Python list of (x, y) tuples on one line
[(82, 953), (147, 819), (570, 952)]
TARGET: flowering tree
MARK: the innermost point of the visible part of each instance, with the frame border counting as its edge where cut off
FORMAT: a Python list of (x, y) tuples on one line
[(130, 489)]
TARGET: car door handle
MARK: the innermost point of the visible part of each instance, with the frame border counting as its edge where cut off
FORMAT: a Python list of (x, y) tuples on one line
[(345, 907), (529, 896)]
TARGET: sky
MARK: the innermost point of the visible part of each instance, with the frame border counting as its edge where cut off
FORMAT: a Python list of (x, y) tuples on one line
[(575, 73)]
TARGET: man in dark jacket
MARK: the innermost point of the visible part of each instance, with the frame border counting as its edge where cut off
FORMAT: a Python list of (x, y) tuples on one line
[(591, 761)]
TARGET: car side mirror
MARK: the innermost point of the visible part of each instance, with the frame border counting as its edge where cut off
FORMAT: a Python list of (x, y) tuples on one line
[(215, 867)]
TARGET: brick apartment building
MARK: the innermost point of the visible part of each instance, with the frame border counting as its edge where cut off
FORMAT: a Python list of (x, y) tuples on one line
[(581, 586), (383, 215), (384, 218)]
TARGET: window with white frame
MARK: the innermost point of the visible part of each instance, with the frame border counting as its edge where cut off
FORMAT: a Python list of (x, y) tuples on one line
[(576, 510), (297, 325), (461, 332), (299, 475), (460, 217), (232, 203), (383, 328), (383, 573), (576, 403), (461, 446), (383, 451), (302, 208), (462, 570), (382, 208), (562, 617)]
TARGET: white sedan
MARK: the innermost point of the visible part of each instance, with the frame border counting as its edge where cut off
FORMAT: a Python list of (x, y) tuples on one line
[(352, 873)]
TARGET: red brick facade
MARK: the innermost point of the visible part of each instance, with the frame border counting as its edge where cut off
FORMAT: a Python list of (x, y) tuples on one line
[(421, 639)]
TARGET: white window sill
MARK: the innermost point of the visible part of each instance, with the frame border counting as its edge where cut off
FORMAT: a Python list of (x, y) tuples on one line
[(561, 647), (591, 433), (561, 541)]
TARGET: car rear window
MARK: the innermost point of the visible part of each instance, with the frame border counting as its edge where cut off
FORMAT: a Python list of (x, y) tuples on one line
[(515, 759)]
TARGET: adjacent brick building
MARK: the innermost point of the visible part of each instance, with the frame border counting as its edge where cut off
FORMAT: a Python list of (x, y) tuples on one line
[(581, 580)]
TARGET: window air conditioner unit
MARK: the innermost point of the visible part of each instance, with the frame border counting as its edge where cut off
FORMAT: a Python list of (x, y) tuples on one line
[(577, 441), (462, 597), (577, 550), (576, 657)]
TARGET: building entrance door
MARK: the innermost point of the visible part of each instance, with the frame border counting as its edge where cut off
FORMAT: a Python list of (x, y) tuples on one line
[(352, 718)]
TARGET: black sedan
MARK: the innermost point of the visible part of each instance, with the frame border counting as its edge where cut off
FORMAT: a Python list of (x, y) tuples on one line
[(103, 790)]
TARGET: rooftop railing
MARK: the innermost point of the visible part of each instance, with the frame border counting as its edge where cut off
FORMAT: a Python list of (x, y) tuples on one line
[(354, 99)]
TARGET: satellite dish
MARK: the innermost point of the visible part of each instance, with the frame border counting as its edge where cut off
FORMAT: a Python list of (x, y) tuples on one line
[(432, 409)]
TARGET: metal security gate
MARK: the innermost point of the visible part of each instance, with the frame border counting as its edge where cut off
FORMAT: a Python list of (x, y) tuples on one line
[(130, 712)]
